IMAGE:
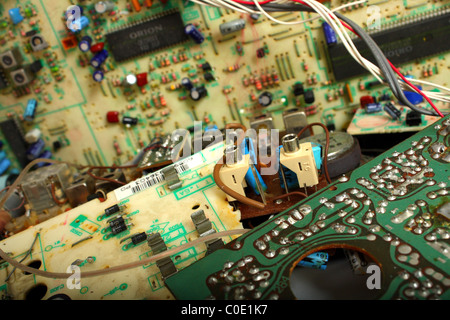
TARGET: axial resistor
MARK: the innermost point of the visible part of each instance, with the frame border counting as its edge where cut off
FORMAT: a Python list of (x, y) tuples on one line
[(275, 78), (165, 112), (264, 80), (162, 100), (167, 61), (157, 122), (252, 96), (245, 82), (155, 101), (305, 66), (258, 84), (174, 76)]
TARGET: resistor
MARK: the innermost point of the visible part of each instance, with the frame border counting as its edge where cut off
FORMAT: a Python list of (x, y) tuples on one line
[(227, 90), (258, 84), (245, 81), (232, 68), (117, 148), (239, 49), (264, 80), (174, 76), (275, 77), (305, 66), (174, 59), (162, 100), (165, 112), (252, 96), (157, 122), (155, 101)]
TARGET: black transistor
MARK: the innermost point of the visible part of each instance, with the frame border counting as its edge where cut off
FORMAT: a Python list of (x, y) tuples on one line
[(309, 96)]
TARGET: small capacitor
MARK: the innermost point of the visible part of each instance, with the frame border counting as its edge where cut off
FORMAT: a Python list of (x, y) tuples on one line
[(130, 121), (4, 165), (35, 149), (260, 53), (138, 238), (141, 79), (79, 24), (15, 15), (265, 99), (392, 111), (104, 6), (309, 96), (373, 107), (112, 210), (187, 83), (99, 58), (98, 75), (194, 33), (298, 89), (197, 93), (112, 116), (30, 110), (231, 26), (85, 44), (330, 35)]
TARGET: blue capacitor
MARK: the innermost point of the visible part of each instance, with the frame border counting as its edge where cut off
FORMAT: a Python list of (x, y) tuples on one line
[(373, 107), (330, 35), (98, 75), (78, 24), (187, 84), (414, 97), (85, 44), (99, 58), (74, 11), (317, 260), (15, 15), (35, 149), (249, 177), (2, 155), (4, 165), (194, 33), (30, 110)]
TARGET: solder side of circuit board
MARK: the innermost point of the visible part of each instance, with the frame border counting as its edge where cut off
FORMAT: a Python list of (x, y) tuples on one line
[(394, 209)]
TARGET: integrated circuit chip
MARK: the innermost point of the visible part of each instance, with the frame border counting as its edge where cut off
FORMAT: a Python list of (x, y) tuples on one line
[(146, 36), (404, 43)]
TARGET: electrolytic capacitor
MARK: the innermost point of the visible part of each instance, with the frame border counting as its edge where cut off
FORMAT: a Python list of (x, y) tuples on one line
[(198, 92), (232, 26), (33, 135), (112, 116), (98, 75), (99, 58), (372, 107), (46, 154), (129, 80), (131, 121), (30, 110), (194, 33), (330, 35), (85, 44), (104, 6)]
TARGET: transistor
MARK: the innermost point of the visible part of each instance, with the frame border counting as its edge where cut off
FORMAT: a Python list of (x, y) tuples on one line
[(309, 96), (298, 89), (413, 118)]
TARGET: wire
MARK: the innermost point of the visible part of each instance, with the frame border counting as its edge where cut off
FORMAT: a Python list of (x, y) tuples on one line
[(123, 267)]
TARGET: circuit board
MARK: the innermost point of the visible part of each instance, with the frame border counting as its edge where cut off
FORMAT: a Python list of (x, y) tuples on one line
[(83, 236), (394, 209), (72, 107)]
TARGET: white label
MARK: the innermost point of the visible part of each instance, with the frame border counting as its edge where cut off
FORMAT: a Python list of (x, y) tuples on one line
[(157, 177)]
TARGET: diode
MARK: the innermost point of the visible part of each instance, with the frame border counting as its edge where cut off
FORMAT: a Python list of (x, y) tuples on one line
[(111, 210)]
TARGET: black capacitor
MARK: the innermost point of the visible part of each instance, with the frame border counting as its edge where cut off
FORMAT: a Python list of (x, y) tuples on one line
[(111, 210), (298, 89), (198, 92), (309, 96), (36, 66), (138, 238), (265, 99), (130, 121)]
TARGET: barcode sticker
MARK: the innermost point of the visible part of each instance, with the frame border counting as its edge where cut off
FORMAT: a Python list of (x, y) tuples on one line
[(154, 178)]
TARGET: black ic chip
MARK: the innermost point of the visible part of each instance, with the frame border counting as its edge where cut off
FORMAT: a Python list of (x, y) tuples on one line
[(405, 43), (146, 36)]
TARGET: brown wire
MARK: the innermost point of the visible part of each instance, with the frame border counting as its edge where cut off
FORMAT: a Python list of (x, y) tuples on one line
[(327, 145)]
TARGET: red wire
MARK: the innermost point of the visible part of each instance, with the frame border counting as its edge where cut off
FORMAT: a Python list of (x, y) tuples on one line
[(351, 29)]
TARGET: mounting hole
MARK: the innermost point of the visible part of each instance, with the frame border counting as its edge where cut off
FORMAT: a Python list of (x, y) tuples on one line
[(196, 206), (60, 296), (37, 292), (36, 264)]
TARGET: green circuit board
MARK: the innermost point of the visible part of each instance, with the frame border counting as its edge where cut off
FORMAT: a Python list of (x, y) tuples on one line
[(394, 209)]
